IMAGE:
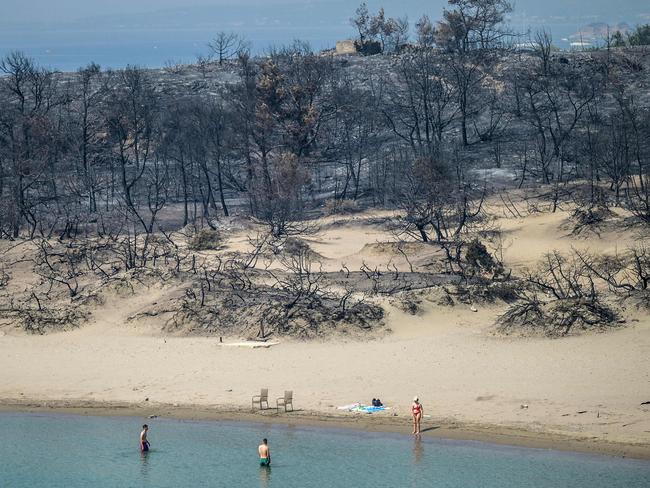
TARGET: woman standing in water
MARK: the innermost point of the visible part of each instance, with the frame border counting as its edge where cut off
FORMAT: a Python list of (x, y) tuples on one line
[(416, 410)]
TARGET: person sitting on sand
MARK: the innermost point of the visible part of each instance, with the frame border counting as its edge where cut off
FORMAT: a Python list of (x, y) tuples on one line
[(144, 443), (265, 453), (416, 410)]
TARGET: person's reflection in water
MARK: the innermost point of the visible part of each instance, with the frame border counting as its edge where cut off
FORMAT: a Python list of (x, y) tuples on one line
[(144, 467), (265, 476), (418, 449)]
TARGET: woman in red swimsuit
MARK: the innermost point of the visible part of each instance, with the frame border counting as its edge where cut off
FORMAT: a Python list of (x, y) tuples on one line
[(416, 410)]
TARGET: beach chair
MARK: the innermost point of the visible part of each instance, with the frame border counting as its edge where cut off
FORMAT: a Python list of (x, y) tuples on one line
[(287, 399), (263, 397)]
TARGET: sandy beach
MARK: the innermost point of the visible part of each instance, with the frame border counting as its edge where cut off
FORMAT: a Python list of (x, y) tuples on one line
[(581, 392), (465, 381)]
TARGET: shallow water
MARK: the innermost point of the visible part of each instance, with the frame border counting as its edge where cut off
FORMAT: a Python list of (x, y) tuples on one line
[(69, 451)]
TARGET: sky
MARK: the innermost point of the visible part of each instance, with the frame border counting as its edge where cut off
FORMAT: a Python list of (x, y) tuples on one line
[(30, 11), (66, 34)]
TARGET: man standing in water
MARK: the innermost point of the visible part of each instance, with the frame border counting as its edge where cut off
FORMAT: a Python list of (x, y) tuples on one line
[(144, 443), (265, 453)]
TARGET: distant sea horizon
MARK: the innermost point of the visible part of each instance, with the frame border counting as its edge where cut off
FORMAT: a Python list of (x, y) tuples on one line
[(70, 49), (154, 33)]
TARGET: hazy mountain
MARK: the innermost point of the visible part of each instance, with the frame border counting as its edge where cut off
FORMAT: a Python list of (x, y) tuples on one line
[(600, 30)]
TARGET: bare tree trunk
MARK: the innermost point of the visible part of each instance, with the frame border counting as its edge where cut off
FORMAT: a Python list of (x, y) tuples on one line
[(221, 194)]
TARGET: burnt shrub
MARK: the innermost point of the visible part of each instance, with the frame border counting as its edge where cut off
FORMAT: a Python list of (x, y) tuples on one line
[(205, 240)]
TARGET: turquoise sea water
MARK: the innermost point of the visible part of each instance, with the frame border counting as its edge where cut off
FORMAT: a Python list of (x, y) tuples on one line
[(68, 451)]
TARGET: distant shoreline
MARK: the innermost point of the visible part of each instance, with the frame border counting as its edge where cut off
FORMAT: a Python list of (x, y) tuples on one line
[(486, 433)]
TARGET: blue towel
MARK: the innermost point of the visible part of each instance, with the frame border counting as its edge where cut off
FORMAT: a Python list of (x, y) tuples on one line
[(368, 409)]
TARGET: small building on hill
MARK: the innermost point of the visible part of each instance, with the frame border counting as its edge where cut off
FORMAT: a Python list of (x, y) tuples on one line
[(346, 46)]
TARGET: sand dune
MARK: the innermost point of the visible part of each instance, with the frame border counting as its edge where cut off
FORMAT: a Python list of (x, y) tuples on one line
[(586, 386)]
